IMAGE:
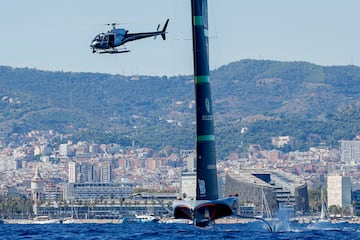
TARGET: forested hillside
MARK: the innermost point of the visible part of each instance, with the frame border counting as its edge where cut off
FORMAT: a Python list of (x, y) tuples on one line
[(315, 104)]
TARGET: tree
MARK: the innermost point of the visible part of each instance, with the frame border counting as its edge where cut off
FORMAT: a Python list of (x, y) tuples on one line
[(335, 210), (314, 196)]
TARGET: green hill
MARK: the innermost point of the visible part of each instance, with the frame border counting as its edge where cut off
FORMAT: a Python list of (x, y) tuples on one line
[(315, 104)]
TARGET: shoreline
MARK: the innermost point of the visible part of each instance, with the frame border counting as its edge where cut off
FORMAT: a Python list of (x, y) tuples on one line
[(303, 220), (74, 221)]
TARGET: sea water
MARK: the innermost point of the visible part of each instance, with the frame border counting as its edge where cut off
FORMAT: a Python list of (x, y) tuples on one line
[(161, 231)]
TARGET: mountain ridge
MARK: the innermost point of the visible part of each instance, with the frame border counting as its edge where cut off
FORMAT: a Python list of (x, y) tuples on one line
[(260, 95)]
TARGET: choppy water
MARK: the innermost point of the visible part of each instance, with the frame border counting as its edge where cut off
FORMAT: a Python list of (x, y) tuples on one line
[(175, 231)]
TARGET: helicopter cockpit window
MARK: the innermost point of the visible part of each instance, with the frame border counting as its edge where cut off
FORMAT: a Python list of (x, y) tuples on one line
[(99, 37)]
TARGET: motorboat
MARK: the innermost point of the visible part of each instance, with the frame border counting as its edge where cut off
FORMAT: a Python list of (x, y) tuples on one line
[(45, 220)]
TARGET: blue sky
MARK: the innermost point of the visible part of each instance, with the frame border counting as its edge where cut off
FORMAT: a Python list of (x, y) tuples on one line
[(55, 35)]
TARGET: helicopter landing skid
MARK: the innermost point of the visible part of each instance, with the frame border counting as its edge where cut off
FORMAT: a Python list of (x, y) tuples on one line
[(114, 51)]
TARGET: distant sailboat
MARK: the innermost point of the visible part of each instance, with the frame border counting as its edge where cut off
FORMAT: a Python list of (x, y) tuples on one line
[(265, 209), (324, 221), (324, 214)]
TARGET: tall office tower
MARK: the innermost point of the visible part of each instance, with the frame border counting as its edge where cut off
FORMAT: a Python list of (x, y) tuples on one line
[(87, 172), (339, 191), (73, 172), (105, 172)]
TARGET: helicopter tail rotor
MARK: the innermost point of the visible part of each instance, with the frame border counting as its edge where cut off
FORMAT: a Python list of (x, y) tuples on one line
[(163, 35)]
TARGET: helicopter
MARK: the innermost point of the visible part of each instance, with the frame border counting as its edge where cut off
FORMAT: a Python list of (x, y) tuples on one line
[(111, 41)]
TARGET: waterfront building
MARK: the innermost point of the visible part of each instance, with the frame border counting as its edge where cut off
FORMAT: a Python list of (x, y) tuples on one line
[(96, 191), (113, 207), (188, 185), (52, 193), (273, 188), (339, 191)]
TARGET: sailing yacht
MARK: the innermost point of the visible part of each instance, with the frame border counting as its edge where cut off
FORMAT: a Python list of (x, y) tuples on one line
[(206, 208), (324, 214), (324, 221)]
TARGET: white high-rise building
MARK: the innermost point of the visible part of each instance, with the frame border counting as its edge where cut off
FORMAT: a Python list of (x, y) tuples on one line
[(339, 191), (73, 172), (64, 150), (188, 185), (350, 151), (81, 172)]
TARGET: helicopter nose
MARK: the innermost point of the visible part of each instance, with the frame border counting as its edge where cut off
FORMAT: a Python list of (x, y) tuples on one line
[(94, 44)]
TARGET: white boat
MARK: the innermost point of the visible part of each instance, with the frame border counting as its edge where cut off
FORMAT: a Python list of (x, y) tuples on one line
[(147, 218), (45, 220), (176, 221), (324, 221), (69, 220), (139, 219), (324, 214)]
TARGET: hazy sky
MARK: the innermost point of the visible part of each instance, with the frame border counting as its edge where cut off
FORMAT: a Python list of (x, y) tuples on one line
[(55, 35)]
